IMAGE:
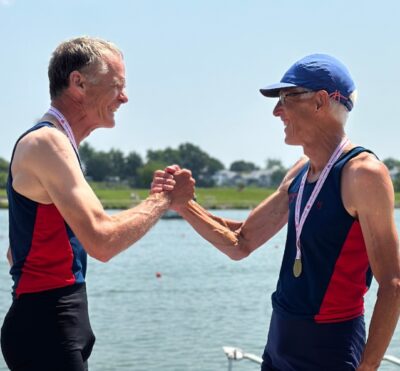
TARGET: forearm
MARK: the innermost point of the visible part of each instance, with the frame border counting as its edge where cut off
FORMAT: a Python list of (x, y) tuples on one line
[(122, 230), (240, 240), (215, 230), (383, 323), (266, 220)]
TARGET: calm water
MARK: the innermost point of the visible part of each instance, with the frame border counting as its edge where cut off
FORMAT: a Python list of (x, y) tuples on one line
[(179, 322)]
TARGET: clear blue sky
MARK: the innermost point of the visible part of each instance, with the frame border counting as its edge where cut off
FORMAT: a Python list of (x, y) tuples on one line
[(194, 68)]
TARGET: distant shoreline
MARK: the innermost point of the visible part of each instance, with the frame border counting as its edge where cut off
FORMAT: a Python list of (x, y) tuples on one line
[(218, 198), (210, 198)]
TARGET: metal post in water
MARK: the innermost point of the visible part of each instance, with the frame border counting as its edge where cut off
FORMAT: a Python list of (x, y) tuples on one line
[(391, 359), (230, 364)]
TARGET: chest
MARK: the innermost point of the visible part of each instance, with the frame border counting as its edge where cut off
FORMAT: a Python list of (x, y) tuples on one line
[(328, 220)]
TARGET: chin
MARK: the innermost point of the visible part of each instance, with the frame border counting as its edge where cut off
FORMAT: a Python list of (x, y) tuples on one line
[(107, 120), (108, 124), (288, 141), (291, 142)]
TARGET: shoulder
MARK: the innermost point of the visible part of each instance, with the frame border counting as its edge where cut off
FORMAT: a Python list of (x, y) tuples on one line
[(365, 168), (45, 152), (42, 158), (366, 184), (42, 138), (45, 144)]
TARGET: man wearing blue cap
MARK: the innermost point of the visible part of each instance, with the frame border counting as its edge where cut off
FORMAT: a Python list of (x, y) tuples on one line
[(338, 207)]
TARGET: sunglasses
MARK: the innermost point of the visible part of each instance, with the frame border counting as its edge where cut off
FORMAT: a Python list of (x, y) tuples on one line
[(283, 95)]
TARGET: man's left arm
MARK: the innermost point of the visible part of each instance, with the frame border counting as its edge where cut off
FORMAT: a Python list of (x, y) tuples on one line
[(369, 191)]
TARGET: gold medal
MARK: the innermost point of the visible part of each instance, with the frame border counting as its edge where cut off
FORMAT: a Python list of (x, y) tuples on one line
[(297, 268)]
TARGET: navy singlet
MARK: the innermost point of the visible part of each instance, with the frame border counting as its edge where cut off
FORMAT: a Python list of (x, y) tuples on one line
[(317, 321), (47, 327)]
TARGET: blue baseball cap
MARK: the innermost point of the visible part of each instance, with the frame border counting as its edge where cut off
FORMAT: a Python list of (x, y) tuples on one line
[(317, 72)]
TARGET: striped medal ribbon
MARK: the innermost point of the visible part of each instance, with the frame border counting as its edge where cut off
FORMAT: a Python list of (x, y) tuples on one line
[(65, 125), (299, 221)]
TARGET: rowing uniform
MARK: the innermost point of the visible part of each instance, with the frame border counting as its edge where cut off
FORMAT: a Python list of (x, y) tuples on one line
[(47, 326), (317, 321)]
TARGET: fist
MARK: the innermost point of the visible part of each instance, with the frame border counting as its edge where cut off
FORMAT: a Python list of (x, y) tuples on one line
[(183, 190), (162, 181)]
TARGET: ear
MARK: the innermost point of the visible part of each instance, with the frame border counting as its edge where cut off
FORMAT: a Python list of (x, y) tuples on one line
[(77, 82), (321, 99)]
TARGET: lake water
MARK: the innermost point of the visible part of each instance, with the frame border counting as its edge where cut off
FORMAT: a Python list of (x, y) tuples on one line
[(180, 321)]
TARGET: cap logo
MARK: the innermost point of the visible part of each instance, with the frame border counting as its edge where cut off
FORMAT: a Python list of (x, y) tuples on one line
[(346, 101), (337, 96)]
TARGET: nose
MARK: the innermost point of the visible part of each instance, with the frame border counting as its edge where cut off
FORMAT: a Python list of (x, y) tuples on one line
[(123, 96), (277, 109)]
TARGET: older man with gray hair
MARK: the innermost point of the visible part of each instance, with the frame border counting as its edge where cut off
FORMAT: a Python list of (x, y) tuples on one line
[(55, 217)]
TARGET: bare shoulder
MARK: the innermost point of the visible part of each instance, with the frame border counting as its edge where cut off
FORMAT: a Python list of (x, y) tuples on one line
[(42, 155), (366, 183), (365, 168), (42, 142)]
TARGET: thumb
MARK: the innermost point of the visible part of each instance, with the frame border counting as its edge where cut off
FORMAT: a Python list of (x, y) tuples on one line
[(172, 169)]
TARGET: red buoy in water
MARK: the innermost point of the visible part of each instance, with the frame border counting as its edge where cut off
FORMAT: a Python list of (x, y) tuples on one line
[(158, 274)]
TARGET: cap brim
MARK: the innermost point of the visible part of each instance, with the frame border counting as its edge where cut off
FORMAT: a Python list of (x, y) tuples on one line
[(272, 91)]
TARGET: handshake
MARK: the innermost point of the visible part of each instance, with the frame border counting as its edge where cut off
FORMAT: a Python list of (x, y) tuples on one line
[(177, 183)]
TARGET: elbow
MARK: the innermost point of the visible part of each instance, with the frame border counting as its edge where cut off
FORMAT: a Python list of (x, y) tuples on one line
[(98, 248), (396, 287), (97, 240), (237, 257), (391, 287), (99, 253), (239, 253), (395, 284), (102, 257)]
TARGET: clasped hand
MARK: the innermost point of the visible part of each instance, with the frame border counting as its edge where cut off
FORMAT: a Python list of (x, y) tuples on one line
[(176, 182)]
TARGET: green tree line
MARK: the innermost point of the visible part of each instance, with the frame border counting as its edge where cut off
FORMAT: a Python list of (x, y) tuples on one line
[(114, 166)]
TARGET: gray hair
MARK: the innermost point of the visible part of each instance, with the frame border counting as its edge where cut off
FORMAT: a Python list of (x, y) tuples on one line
[(84, 54), (339, 110)]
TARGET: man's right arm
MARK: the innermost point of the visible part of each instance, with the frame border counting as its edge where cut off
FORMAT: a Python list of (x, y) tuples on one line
[(239, 239), (47, 158)]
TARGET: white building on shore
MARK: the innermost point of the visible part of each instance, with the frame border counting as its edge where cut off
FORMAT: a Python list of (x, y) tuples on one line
[(258, 178)]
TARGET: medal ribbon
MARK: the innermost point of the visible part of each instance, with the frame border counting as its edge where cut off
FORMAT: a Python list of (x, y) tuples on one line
[(65, 125), (299, 221)]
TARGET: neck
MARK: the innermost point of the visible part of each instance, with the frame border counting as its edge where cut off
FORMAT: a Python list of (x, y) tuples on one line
[(75, 115), (319, 152)]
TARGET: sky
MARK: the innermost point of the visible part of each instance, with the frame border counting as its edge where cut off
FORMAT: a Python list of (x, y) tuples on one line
[(194, 69)]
